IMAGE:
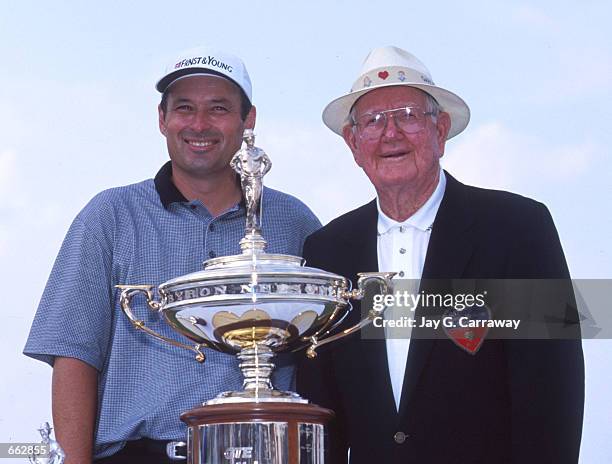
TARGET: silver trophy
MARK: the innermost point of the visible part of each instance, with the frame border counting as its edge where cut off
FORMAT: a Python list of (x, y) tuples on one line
[(255, 305), (53, 452)]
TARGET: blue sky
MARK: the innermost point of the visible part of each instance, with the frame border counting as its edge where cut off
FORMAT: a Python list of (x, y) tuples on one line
[(77, 115)]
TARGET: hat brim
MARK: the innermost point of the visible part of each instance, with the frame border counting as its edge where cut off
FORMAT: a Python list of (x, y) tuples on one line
[(335, 114)]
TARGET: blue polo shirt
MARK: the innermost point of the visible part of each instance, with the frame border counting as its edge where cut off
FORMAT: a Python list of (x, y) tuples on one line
[(147, 233)]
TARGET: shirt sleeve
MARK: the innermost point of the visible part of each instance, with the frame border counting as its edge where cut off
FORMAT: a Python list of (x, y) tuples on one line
[(74, 316)]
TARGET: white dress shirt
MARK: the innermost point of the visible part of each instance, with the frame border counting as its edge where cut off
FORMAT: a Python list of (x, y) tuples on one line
[(402, 247)]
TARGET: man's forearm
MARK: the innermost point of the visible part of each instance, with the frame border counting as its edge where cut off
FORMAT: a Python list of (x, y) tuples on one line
[(74, 400)]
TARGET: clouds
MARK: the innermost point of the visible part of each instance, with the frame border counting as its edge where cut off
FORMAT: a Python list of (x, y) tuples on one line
[(534, 17), (7, 185), (19, 195), (494, 156), (576, 62), (7, 171)]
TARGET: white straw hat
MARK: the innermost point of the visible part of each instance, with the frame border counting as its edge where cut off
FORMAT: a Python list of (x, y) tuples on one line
[(203, 60), (388, 66)]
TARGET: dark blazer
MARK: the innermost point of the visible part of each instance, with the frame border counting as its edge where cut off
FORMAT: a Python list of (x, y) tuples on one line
[(514, 401)]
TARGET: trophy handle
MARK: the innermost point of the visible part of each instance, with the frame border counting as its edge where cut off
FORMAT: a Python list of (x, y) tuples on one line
[(384, 278), (127, 293)]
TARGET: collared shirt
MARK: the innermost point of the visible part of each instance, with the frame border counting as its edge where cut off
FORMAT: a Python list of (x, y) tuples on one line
[(147, 233), (402, 247)]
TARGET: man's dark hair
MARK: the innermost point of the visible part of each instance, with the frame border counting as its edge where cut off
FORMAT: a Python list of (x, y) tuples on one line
[(245, 103)]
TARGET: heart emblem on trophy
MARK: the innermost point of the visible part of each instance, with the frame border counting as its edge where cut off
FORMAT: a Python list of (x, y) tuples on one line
[(464, 328), (304, 321), (227, 317), (383, 75)]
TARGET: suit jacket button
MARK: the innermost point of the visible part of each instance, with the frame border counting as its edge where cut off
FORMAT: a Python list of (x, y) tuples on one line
[(400, 437)]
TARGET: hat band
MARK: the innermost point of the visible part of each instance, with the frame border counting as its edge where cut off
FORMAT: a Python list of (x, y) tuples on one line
[(391, 75)]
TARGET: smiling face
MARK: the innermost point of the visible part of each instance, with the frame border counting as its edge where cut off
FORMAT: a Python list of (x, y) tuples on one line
[(203, 126), (397, 160)]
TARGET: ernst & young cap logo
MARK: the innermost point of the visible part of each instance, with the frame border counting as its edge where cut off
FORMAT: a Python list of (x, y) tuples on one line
[(205, 61)]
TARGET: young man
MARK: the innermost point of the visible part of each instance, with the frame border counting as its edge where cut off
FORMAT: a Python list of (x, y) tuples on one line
[(117, 394)]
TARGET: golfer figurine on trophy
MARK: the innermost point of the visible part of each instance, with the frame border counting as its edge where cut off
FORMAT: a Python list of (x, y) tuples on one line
[(251, 163)]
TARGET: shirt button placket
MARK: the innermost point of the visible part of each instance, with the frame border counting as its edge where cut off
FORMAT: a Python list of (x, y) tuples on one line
[(209, 240)]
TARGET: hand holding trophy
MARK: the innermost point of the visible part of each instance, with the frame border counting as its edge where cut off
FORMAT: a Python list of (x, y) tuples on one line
[(254, 305)]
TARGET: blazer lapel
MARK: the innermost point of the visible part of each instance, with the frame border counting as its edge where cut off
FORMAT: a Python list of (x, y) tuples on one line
[(362, 241), (450, 246), (449, 250)]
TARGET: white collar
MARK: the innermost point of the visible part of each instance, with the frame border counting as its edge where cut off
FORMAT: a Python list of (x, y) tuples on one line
[(422, 219)]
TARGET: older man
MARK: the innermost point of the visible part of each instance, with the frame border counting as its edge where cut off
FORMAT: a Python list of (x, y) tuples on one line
[(435, 399), (117, 395)]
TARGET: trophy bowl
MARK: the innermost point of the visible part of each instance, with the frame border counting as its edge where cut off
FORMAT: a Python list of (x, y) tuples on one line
[(239, 301), (253, 305)]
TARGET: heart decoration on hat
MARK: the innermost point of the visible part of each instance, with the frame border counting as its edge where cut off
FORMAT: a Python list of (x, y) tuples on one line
[(469, 339), (383, 75)]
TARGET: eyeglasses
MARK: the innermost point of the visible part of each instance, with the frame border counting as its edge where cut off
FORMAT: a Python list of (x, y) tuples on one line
[(408, 120)]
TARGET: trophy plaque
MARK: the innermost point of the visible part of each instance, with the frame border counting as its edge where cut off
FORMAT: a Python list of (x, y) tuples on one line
[(255, 305)]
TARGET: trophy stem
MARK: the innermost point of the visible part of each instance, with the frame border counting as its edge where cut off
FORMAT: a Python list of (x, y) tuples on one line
[(256, 368), (253, 242)]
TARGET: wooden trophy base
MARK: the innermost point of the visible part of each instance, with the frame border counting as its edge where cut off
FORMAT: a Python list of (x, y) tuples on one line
[(257, 433)]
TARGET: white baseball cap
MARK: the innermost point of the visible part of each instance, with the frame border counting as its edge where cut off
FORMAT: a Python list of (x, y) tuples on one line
[(206, 61), (389, 66)]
